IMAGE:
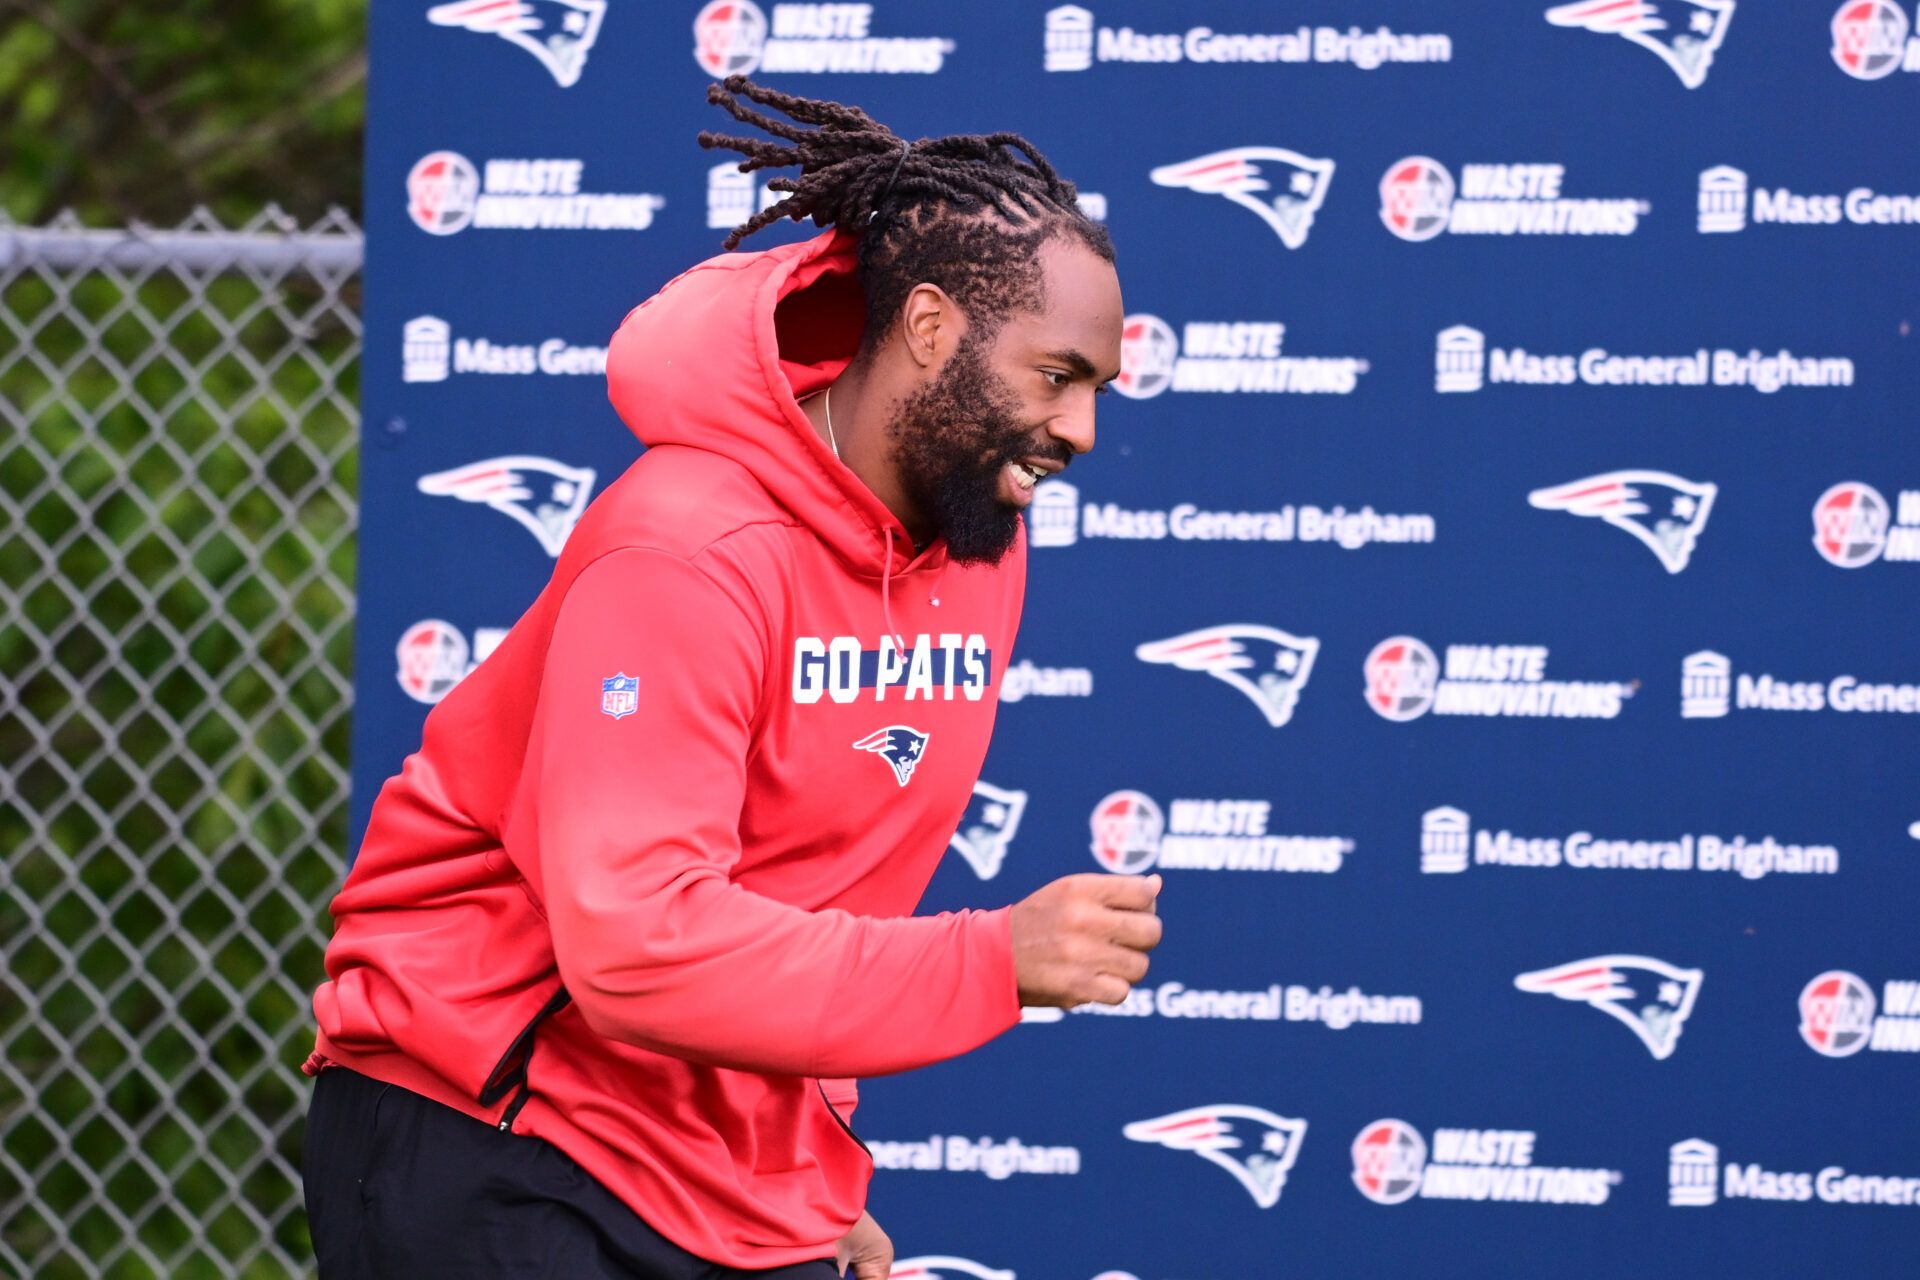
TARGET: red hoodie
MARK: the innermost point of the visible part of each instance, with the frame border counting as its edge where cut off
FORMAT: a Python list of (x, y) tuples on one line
[(699, 788)]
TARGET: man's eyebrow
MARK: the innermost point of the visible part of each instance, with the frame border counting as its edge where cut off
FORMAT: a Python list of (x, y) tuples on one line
[(1075, 361)]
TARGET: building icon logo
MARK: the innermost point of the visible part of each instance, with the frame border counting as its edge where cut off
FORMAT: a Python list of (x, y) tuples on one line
[(1723, 200), (1069, 38), (1693, 1174), (1459, 359), (1445, 837), (1054, 516), (426, 350), (1706, 685)]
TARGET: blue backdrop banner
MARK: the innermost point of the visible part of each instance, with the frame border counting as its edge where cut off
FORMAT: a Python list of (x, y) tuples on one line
[(1491, 604)]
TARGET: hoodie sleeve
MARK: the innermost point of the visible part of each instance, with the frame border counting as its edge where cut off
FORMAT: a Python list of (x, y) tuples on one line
[(638, 821)]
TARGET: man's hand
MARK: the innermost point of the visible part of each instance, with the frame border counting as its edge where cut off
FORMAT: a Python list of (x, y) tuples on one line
[(1084, 939), (867, 1250)]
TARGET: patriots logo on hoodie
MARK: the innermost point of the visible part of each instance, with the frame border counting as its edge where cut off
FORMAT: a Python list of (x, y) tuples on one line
[(1650, 997), (1283, 187), (901, 747), (1265, 663), (941, 1266), (992, 818), (1665, 512), (544, 497), (557, 32), (1683, 33), (1254, 1145)]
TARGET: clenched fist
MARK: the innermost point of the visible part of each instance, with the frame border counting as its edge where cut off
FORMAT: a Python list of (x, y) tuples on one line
[(1084, 939)]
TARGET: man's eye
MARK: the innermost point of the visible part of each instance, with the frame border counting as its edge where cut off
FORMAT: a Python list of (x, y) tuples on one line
[(1104, 388), (1055, 378)]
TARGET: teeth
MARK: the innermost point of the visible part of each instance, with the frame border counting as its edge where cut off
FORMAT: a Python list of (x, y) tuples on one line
[(1026, 476)]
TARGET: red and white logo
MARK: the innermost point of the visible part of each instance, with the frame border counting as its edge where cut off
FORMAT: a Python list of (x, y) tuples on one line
[(1870, 39), (442, 191), (433, 659), (944, 1267), (1127, 828), (1836, 1014), (1651, 998), (1850, 524), (1253, 1144), (1149, 349), (1684, 34), (1283, 188), (558, 33), (1665, 513), (1388, 1158), (544, 497), (733, 37), (1416, 198), (1402, 677), (1268, 665), (728, 37)]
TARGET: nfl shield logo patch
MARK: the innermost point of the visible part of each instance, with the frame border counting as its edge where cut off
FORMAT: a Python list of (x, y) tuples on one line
[(620, 695)]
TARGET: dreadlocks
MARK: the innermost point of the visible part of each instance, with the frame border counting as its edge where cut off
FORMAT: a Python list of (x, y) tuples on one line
[(966, 212)]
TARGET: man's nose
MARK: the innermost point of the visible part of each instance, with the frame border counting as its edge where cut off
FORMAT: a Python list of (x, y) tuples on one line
[(1074, 428)]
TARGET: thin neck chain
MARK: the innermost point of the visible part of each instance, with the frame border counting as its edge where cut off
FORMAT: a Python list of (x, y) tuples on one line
[(830, 440)]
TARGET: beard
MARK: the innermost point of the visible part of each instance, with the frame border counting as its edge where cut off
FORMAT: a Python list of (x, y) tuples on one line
[(953, 438)]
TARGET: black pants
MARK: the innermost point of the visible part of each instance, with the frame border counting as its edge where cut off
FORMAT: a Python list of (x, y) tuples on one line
[(402, 1188)]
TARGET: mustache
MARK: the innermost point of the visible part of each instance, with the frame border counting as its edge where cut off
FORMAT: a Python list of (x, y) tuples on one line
[(1046, 451)]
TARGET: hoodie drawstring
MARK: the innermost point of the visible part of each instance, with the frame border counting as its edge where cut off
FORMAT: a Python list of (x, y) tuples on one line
[(886, 600)]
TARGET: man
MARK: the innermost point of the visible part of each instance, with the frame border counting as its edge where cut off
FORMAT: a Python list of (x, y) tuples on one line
[(627, 926)]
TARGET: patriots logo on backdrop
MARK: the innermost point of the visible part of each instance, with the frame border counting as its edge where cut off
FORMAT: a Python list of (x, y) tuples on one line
[(1683, 33), (1651, 997), (1665, 512), (900, 746), (988, 827), (1254, 1145), (557, 32), (1268, 665), (1283, 187), (544, 497), (940, 1266)]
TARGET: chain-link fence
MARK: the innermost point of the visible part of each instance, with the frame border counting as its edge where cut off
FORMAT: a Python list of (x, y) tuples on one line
[(178, 445)]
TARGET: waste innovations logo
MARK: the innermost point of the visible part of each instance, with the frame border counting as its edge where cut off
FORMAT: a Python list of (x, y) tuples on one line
[(733, 37), (433, 656), (1710, 689), (1697, 1179), (1649, 997), (1392, 1164), (1871, 40), (987, 827), (1332, 1007), (445, 195), (1730, 202), (1418, 201), (1853, 526), (544, 497), (1663, 512), (1253, 1144), (1838, 1015), (1131, 835), (430, 353), (1058, 517), (1283, 188), (1224, 356), (1075, 41), (1462, 363), (1404, 681), (1684, 34), (1449, 845), (1268, 665), (995, 1159), (558, 33)]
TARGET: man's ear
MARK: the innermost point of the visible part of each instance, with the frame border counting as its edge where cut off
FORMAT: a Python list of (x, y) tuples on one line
[(931, 325)]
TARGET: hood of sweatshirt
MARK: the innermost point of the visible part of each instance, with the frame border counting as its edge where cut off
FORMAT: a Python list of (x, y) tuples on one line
[(719, 360)]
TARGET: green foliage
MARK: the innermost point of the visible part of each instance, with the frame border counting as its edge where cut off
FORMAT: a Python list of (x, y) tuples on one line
[(123, 112)]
